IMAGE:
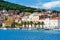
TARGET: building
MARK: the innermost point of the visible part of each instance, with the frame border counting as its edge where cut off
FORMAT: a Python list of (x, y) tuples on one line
[(49, 23), (34, 17)]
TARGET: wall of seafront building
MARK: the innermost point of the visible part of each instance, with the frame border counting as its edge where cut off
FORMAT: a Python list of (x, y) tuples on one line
[(50, 23), (59, 24), (54, 24)]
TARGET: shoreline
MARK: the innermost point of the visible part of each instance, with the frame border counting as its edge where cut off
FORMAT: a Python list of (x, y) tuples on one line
[(25, 29)]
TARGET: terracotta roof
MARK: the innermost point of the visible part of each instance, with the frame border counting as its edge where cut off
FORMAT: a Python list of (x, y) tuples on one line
[(54, 18), (10, 11), (50, 18), (58, 18), (42, 18)]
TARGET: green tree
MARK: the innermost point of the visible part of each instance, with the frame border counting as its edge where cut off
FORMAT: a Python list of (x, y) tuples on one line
[(12, 6), (35, 25), (42, 23), (1, 0), (28, 23), (0, 24), (13, 25), (39, 23), (24, 24), (31, 23)]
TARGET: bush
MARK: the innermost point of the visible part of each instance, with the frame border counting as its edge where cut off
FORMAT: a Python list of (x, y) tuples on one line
[(0, 25), (7, 26), (13, 25)]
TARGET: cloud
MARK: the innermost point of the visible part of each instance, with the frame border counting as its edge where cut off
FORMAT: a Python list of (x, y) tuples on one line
[(50, 5), (33, 6)]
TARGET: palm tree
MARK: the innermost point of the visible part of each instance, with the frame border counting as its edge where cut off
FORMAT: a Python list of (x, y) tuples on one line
[(39, 24), (0, 24), (13, 25), (20, 25), (42, 23), (31, 23), (24, 24), (35, 24), (27, 23)]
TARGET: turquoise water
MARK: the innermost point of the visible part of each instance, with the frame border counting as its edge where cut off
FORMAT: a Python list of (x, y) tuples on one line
[(29, 35)]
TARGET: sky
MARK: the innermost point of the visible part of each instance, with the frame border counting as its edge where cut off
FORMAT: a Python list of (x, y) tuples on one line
[(44, 4)]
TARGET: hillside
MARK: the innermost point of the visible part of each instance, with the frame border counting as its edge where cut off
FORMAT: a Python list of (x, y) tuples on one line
[(11, 6)]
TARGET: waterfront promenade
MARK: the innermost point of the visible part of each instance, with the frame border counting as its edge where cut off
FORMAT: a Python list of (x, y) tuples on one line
[(25, 20)]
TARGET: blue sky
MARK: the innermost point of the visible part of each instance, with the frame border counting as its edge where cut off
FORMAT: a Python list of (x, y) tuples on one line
[(45, 4)]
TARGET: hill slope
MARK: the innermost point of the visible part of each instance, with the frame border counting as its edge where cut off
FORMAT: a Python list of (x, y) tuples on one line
[(12, 6), (8, 5)]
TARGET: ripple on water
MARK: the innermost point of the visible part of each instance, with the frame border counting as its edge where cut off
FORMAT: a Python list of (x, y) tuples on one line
[(30, 34)]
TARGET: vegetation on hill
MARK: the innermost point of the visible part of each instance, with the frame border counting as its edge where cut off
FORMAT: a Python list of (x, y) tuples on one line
[(11, 6)]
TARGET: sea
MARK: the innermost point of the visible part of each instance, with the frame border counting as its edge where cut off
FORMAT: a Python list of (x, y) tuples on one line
[(29, 34)]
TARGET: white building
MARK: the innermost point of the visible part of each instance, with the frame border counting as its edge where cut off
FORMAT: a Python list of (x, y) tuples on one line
[(34, 17), (59, 23), (49, 23)]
